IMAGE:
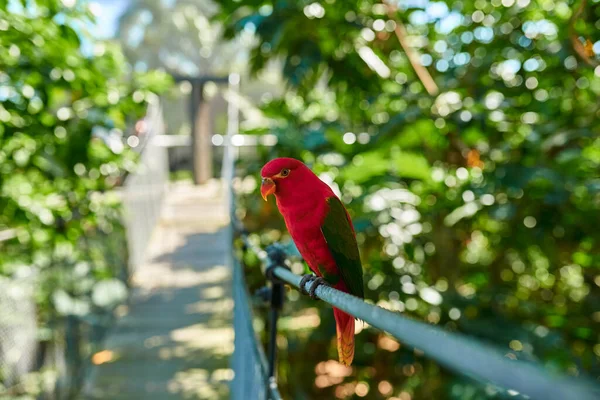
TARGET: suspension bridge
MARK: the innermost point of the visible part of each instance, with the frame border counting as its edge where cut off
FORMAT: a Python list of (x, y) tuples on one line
[(187, 330)]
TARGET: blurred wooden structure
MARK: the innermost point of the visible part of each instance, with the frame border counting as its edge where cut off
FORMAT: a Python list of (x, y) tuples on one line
[(202, 126)]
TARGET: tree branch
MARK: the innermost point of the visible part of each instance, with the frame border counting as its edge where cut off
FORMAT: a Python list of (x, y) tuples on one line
[(575, 42), (412, 54)]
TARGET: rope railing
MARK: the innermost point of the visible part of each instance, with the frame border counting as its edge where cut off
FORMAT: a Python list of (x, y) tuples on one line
[(462, 354)]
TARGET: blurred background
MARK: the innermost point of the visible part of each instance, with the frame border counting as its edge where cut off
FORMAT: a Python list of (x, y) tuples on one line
[(463, 136)]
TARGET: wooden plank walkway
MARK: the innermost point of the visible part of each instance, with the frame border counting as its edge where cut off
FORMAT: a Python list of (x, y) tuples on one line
[(176, 337)]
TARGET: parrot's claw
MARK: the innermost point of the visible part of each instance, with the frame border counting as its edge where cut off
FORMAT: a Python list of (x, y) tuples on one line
[(315, 284), (305, 279)]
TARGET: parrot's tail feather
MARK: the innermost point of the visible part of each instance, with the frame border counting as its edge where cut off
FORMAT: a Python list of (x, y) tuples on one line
[(344, 324)]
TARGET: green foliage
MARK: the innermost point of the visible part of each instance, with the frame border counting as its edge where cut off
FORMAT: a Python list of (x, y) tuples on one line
[(476, 208), (65, 104)]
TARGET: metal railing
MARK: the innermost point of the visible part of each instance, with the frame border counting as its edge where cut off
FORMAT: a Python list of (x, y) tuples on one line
[(252, 378), (143, 192)]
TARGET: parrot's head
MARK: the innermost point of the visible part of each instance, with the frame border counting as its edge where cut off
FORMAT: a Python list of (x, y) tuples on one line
[(283, 176)]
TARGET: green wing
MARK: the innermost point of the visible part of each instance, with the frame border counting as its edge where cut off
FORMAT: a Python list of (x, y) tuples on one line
[(341, 240)]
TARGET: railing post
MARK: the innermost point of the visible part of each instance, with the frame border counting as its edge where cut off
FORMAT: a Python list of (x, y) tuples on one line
[(276, 258), (229, 154), (277, 293)]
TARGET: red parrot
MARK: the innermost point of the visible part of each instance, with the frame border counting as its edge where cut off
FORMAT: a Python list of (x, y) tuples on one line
[(323, 232)]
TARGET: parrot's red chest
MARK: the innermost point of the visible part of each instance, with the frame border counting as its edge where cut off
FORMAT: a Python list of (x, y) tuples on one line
[(303, 221)]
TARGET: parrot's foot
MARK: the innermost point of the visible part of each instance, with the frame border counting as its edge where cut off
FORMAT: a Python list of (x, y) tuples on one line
[(315, 284), (305, 279)]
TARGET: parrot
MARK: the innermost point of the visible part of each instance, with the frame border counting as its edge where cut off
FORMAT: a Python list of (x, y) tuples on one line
[(323, 232)]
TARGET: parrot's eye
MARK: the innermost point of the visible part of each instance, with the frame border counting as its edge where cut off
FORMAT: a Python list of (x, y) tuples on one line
[(285, 172)]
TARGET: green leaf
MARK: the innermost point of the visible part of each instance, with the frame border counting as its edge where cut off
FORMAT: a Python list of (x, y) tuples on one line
[(411, 165)]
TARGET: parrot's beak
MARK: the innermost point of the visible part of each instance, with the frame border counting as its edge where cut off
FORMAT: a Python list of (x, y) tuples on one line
[(267, 187)]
